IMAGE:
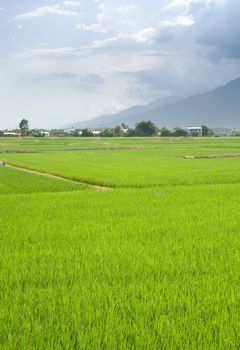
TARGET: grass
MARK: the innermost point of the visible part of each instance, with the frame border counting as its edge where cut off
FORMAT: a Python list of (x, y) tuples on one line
[(14, 181), (63, 143), (142, 269), (150, 268), (133, 168)]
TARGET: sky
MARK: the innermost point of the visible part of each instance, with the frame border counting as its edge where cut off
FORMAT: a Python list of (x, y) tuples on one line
[(63, 61)]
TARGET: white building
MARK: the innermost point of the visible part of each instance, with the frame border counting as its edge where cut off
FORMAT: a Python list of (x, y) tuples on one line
[(194, 130), (96, 131), (45, 133), (11, 134), (70, 131)]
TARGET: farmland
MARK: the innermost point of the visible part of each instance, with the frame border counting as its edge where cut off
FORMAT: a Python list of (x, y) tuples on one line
[(151, 264), (14, 181)]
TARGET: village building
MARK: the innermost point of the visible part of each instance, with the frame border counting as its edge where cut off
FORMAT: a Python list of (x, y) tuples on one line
[(70, 131), (194, 130), (11, 134), (45, 133), (96, 131)]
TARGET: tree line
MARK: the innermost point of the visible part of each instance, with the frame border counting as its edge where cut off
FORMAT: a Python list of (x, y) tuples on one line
[(141, 129)]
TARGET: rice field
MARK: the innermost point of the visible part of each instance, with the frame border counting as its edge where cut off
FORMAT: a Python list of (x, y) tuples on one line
[(152, 264), (140, 167), (14, 181)]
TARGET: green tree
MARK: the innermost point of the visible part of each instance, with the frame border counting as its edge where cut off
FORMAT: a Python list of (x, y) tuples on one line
[(86, 133), (165, 132), (57, 132), (179, 132), (24, 127), (77, 133), (107, 133), (131, 132), (146, 128), (124, 126), (118, 131), (206, 131)]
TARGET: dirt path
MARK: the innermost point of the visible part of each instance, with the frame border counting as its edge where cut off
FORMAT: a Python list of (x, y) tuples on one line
[(212, 156), (36, 172)]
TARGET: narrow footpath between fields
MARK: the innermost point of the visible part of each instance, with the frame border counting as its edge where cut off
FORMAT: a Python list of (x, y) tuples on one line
[(51, 176)]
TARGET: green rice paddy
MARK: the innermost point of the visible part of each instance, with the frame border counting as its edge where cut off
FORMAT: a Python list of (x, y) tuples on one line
[(152, 264), (14, 181)]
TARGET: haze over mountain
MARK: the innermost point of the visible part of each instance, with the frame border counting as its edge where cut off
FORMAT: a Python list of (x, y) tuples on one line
[(216, 108), (109, 120)]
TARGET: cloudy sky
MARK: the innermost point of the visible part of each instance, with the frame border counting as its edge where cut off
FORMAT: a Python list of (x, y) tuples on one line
[(66, 61)]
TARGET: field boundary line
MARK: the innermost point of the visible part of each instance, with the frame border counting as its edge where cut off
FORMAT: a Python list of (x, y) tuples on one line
[(214, 156), (102, 188), (38, 151), (57, 177)]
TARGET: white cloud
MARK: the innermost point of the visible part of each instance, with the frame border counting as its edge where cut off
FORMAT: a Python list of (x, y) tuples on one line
[(178, 3), (103, 43), (41, 52), (96, 28), (145, 35), (187, 3), (71, 3), (46, 10), (112, 17), (101, 17), (181, 21)]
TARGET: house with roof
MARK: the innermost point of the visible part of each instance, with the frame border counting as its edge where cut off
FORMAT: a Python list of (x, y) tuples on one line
[(194, 130)]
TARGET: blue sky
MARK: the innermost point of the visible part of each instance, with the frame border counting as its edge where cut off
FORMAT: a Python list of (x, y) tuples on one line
[(66, 61)]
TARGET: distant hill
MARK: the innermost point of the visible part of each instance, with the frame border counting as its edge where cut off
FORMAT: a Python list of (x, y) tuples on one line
[(217, 108), (109, 120)]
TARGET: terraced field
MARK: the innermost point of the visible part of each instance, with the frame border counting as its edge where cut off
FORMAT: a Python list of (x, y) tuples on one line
[(152, 264)]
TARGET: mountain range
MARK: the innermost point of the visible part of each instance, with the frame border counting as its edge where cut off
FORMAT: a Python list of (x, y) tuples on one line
[(216, 108)]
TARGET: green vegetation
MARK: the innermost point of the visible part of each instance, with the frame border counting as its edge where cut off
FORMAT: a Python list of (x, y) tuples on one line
[(149, 163), (145, 128), (66, 143), (14, 181), (155, 267), (24, 127)]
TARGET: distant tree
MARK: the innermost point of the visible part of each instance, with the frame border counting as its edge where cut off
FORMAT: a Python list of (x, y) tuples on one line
[(236, 133), (86, 133), (206, 131), (107, 133), (118, 131), (146, 128), (165, 132), (77, 133), (24, 127), (124, 126), (57, 132), (36, 133), (131, 132), (179, 132), (1, 133)]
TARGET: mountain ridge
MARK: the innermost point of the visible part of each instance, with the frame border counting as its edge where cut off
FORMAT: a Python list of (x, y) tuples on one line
[(219, 107)]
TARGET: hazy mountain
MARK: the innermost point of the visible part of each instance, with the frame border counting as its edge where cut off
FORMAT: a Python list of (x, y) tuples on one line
[(220, 107), (110, 119)]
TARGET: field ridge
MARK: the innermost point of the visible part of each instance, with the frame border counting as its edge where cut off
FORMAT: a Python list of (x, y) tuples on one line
[(56, 177)]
